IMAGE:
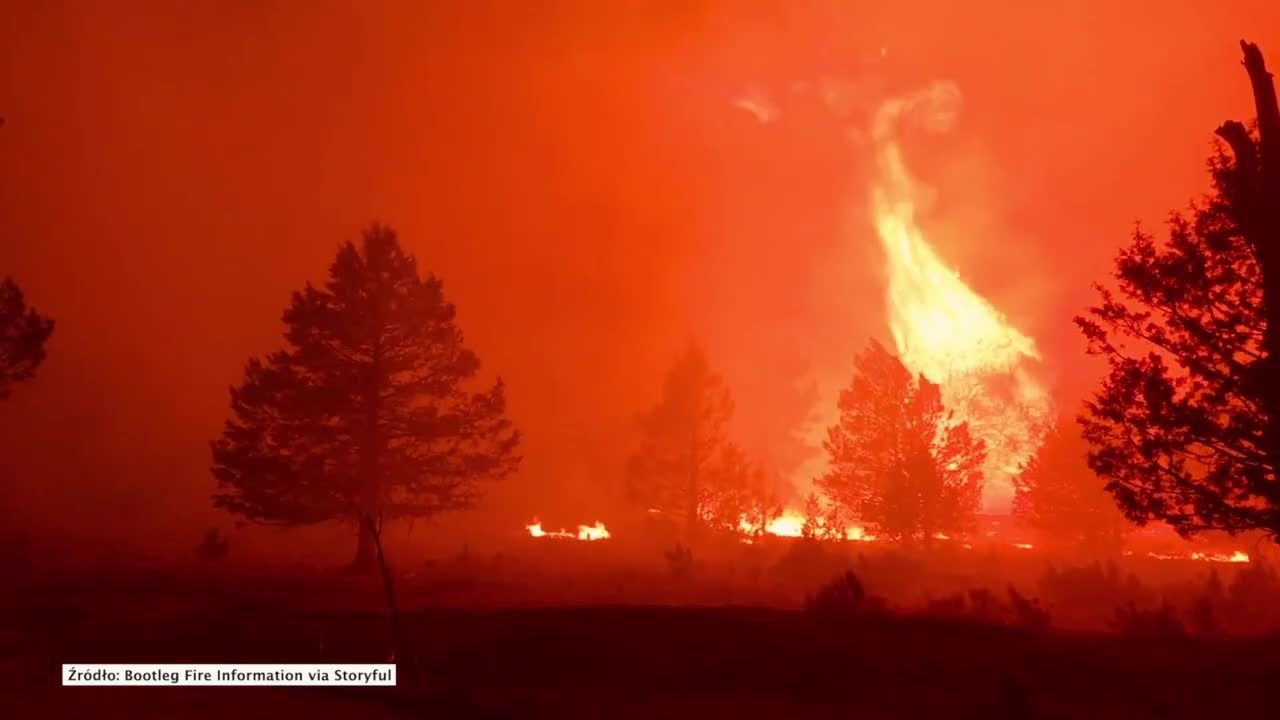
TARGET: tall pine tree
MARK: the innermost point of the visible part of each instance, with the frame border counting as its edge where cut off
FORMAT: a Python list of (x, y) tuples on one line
[(1066, 502), (1186, 425), (684, 439), (366, 416), (899, 463)]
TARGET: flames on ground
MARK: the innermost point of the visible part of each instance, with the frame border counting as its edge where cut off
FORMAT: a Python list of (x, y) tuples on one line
[(792, 525), (585, 532)]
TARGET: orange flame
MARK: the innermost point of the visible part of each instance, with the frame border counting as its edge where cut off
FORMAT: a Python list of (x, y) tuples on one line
[(585, 532), (593, 532), (791, 525), (943, 329), (1239, 556)]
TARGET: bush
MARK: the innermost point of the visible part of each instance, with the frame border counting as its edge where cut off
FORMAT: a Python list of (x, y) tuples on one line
[(1092, 590), (1148, 624), (679, 560), (213, 546), (1202, 616), (1027, 612), (981, 605), (842, 596), (1250, 600)]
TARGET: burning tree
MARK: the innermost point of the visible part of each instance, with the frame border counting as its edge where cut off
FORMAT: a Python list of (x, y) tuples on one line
[(899, 462), (686, 466), (822, 521), (737, 491), (1186, 426), (1058, 495), (23, 333), (365, 417)]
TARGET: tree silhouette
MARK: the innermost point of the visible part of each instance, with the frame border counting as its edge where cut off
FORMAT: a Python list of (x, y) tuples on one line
[(822, 521), (366, 415), (899, 463), (1186, 425), (1058, 495), (23, 333), (684, 449), (735, 489)]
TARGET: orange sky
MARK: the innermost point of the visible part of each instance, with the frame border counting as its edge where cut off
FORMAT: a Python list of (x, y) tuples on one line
[(582, 181)]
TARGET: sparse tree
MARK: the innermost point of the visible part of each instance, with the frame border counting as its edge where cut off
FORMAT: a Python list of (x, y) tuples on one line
[(1059, 496), (899, 461), (23, 333), (737, 489), (683, 437), (822, 520), (367, 415), (1186, 425)]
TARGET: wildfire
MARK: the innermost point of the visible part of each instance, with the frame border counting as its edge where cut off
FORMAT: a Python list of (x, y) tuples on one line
[(943, 329), (585, 532), (791, 525), (1239, 556)]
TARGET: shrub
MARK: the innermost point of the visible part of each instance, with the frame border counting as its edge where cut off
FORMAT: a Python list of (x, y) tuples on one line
[(213, 546), (844, 595), (982, 605), (1026, 612), (679, 560), (1148, 624)]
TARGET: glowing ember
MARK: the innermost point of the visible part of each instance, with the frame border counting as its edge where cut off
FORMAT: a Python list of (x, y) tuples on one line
[(585, 532), (858, 534), (790, 524), (1235, 557), (593, 532), (942, 328)]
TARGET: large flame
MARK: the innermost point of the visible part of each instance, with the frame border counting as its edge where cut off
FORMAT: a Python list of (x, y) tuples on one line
[(941, 327)]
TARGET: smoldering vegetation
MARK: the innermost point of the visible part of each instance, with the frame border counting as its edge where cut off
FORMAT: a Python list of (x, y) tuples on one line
[(561, 628)]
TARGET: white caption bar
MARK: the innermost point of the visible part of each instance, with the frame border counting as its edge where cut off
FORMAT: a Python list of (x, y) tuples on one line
[(181, 674)]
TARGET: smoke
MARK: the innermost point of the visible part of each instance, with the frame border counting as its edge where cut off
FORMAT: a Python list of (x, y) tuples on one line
[(581, 180)]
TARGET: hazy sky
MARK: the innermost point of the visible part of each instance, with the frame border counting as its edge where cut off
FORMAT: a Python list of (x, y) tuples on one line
[(585, 181)]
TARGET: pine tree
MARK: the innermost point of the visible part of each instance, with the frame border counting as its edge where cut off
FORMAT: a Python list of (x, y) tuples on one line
[(899, 462), (366, 416), (683, 438), (1059, 496), (23, 334), (737, 489), (1186, 425)]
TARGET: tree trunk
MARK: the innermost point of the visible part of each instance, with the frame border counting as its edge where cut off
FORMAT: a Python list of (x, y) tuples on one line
[(366, 558), (1256, 199), (404, 660)]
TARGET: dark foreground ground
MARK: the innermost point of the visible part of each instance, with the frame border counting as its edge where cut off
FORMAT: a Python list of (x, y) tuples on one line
[(632, 662)]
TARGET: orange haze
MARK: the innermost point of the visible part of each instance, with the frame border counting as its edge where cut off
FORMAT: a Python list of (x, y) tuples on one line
[(594, 184)]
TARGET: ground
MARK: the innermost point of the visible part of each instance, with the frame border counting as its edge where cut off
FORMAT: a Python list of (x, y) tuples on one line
[(610, 661)]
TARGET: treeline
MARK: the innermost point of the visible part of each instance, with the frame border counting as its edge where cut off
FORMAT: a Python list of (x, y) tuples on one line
[(372, 413)]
